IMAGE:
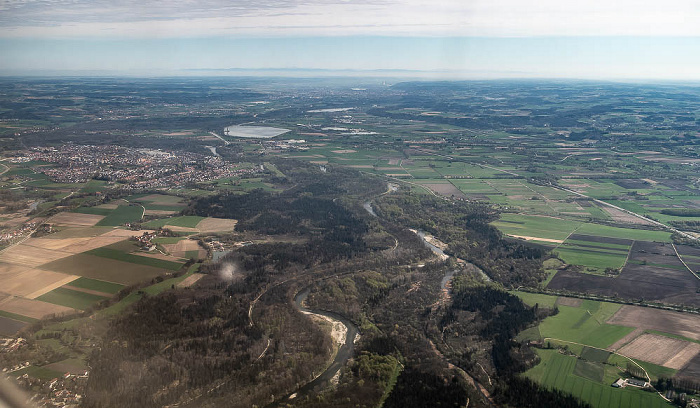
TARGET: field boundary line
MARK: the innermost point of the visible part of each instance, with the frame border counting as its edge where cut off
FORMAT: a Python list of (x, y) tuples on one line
[(568, 236), (683, 262)]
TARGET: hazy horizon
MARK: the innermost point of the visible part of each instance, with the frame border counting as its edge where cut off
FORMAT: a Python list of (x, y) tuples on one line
[(450, 39)]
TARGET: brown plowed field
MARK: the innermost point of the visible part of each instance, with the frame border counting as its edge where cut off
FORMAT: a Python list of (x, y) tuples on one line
[(604, 240), (33, 308), (661, 350), (8, 327), (446, 189), (629, 337), (654, 281), (692, 369), (567, 301), (181, 247), (621, 216), (667, 321)]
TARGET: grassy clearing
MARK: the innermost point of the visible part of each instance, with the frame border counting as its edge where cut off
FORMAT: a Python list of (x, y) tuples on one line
[(121, 215), (70, 298), (187, 221), (98, 285), (135, 259), (531, 299), (38, 372)]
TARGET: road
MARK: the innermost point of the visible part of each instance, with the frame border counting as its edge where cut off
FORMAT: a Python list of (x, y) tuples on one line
[(595, 200), (226, 142)]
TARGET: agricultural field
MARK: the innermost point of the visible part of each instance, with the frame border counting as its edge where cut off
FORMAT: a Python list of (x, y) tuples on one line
[(193, 224), (74, 267), (651, 266), (159, 204), (591, 340), (585, 380), (122, 215), (187, 221), (71, 298)]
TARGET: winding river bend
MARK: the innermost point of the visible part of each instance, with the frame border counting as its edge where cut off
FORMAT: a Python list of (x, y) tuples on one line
[(344, 353)]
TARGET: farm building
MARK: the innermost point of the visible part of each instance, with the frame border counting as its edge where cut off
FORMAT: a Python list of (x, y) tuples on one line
[(637, 383)]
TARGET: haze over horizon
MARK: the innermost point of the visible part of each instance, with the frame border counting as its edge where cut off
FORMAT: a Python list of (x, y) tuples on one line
[(623, 40)]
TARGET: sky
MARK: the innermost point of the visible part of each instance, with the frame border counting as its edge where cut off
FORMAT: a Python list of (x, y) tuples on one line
[(587, 39)]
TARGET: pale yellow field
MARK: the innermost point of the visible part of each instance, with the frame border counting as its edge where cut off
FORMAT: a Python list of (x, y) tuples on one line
[(216, 225), (159, 212), (54, 244), (190, 280), (529, 238), (76, 219), (91, 243), (123, 233), (48, 288), (26, 255), (30, 282)]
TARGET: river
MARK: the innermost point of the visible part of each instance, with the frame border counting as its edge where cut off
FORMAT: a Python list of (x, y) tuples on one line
[(342, 356)]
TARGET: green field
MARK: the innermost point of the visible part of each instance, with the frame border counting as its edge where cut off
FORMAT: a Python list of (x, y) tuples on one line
[(565, 373), (122, 215), (38, 372), (593, 259), (70, 298), (187, 221), (100, 268), (135, 259), (584, 324), (98, 285), (531, 299), (93, 210), (595, 355), (534, 226)]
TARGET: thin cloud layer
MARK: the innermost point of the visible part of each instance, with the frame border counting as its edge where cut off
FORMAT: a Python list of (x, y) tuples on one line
[(199, 18)]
